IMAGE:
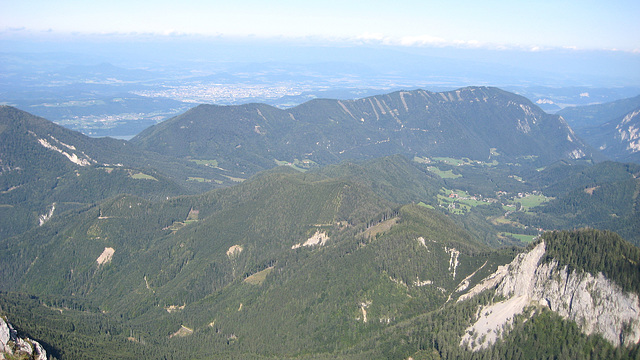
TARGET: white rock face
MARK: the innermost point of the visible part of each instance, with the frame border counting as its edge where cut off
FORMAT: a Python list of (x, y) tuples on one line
[(11, 344), (453, 260), (41, 353), (45, 217), (577, 154), (106, 256), (5, 335), (629, 133), (595, 303), (319, 238), (73, 157), (234, 251)]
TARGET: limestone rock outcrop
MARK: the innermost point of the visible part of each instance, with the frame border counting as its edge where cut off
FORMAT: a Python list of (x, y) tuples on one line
[(12, 345), (595, 303)]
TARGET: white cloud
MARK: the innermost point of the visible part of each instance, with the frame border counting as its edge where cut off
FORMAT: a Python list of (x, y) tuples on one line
[(469, 43), (421, 40), (426, 40), (369, 38), (414, 40)]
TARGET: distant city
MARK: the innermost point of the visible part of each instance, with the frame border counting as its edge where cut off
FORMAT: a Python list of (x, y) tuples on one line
[(101, 95), (224, 93)]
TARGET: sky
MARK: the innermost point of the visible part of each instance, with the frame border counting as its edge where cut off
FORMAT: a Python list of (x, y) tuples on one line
[(529, 25)]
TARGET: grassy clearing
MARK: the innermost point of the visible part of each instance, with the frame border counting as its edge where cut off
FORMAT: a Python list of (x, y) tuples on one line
[(259, 277), (452, 161), (210, 163), (421, 160), (192, 217), (293, 165), (199, 179), (300, 165), (501, 220), (234, 179), (531, 201), (426, 205), (463, 161), (452, 205), (142, 176), (459, 208), (443, 174), (182, 332), (177, 225), (379, 228), (521, 237), (457, 201)]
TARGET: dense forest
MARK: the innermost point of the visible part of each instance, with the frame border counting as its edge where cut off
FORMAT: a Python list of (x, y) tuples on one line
[(113, 250), (596, 252)]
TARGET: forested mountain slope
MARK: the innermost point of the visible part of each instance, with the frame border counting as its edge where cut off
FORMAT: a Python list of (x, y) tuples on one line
[(370, 257), (618, 139), (287, 264), (587, 116), (604, 196), (233, 257), (474, 122), (339, 283), (46, 169), (610, 127)]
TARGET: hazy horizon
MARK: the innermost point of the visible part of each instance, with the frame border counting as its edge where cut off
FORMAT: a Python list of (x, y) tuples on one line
[(546, 43), (535, 26), (67, 60)]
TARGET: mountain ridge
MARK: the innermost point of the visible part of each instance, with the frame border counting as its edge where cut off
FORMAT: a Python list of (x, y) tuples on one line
[(594, 115), (44, 165), (618, 138), (468, 122)]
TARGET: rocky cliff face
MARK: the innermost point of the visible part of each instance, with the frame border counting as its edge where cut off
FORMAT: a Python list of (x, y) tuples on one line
[(595, 303), (11, 344), (619, 138)]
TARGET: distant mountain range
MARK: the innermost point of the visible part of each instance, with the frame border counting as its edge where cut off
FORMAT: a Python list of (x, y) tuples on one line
[(476, 122), (619, 138), (611, 127), (587, 116)]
